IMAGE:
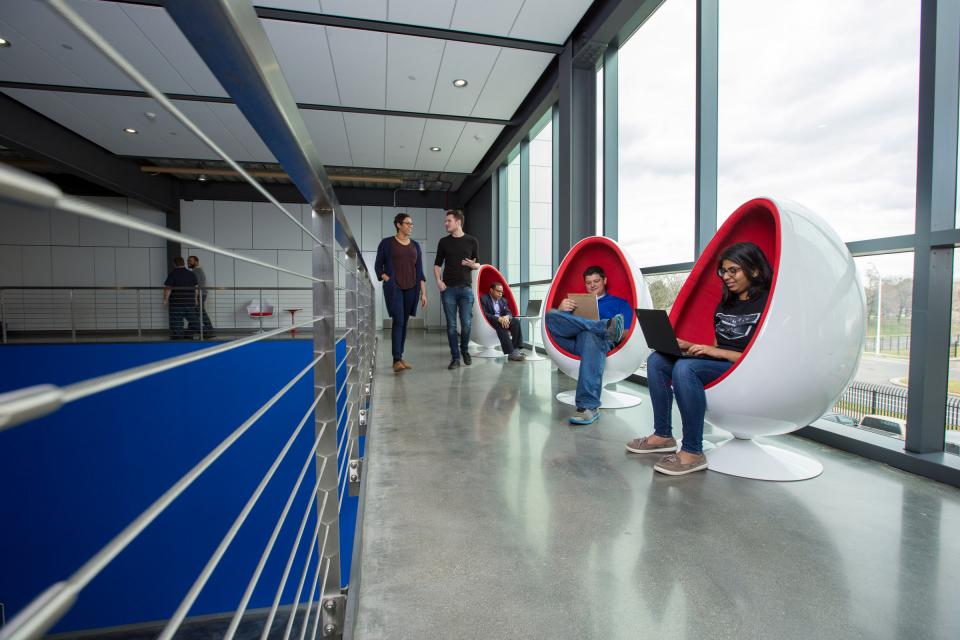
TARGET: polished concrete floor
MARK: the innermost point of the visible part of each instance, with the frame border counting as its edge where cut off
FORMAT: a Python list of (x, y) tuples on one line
[(488, 516)]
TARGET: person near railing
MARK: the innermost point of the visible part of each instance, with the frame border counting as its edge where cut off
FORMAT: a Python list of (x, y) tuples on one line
[(193, 262), (458, 254), (399, 265), (497, 313), (746, 277), (181, 297), (590, 339)]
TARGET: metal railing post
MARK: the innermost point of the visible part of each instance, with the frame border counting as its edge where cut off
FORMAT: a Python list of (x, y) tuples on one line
[(354, 392), (260, 316), (73, 324), (3, 318), (139, 320), (325, 381)]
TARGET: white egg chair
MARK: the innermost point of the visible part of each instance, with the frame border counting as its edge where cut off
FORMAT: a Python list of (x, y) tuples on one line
[(483, 333), (624, 280), (807, 346)]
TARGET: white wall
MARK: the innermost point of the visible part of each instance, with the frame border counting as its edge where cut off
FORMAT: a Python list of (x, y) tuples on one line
[(44, 248)]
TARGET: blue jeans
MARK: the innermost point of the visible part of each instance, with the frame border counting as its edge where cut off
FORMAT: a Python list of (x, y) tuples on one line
[(685, 377), (587, 339), (458, 300), (398, 332)]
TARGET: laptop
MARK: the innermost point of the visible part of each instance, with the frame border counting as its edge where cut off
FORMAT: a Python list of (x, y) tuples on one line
[(658, 332), (587, 306), (533, 309)]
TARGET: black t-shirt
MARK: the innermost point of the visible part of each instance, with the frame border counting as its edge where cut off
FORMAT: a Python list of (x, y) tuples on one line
[(450, 251), (735, 325), (183, 283)]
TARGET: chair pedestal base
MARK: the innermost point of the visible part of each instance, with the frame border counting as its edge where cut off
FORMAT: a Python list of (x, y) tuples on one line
[(608, 399), (533, 356), (750, 459), (488, 352)]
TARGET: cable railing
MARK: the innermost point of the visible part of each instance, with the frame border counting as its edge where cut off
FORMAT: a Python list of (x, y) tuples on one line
[(337, 308), (37, 313)]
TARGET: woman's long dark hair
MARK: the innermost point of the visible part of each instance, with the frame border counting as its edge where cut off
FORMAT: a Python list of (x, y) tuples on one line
[(750, 258)]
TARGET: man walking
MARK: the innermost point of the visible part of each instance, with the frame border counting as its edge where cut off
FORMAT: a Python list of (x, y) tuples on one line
[(181, 297), (194, 263), (458, 254), (497, 313)]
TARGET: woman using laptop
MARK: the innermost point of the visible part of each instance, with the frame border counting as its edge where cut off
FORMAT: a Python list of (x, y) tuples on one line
[(746, 277)]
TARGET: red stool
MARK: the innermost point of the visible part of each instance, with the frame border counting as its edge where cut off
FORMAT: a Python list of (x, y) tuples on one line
[(293, 315)]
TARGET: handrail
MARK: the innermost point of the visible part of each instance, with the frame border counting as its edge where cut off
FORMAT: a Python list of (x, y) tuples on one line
[(148, 288)]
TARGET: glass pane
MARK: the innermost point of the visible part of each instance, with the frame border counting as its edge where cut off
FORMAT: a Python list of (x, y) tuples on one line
[(512, 273), (823, 111), (657, 136), (664, 288), (876, 400), (540, 235), (952, 435), (598, 217)]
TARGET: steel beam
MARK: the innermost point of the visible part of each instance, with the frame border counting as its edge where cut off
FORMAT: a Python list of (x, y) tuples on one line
[(37, 136)]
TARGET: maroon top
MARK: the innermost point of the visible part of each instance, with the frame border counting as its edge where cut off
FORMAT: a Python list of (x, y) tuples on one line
[(404, 264)]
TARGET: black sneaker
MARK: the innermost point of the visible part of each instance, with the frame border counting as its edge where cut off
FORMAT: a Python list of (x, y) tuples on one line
[(466, 358), (453, 364)]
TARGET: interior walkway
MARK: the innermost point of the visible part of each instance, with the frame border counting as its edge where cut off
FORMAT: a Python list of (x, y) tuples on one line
[(488, 516)]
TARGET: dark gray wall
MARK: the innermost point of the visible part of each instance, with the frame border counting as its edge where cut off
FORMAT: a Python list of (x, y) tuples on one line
[(481, 221)]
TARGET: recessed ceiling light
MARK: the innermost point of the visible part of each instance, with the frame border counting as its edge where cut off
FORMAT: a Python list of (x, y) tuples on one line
[(435, 149), (459, 83), (202, 177), (130, 131), (67, 47), (4, 42)]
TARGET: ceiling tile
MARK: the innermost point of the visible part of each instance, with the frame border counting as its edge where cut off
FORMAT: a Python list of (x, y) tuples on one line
[(426, 13), (402, 142), (174, 47), (26, 62), (329, 136), (304, 57), (311, 6), (439, 133), (365, 133), (240, 128), (473, 144), (548, 20), (489, 16), (412, 65), (471, 62), (367, 9), (360, 61), (509, 82)]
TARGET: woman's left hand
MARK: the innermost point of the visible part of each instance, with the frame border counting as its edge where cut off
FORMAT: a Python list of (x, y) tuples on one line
[(423, 300)]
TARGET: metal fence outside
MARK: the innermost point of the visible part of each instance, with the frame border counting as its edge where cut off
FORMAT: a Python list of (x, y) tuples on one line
[(862, 398)]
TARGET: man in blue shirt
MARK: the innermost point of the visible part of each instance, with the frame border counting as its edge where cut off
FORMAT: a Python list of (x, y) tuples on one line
[(590, 339)]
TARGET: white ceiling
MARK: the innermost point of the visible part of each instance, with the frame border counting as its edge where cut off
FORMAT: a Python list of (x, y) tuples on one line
[(323, 65)]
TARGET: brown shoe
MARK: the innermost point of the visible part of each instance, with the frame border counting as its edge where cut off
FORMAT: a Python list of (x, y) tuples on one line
[(643, 445), (398, 366), (406, 365), (672, 466)]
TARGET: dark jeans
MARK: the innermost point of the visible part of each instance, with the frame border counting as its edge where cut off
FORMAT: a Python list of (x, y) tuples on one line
[(587, 339), (685, 377), (178, 313), (458, 301), (510, 339), (398, 332), (207, 325)]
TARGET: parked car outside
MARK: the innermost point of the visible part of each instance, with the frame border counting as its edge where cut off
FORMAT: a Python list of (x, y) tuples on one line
[(839, 418), (886, 425)]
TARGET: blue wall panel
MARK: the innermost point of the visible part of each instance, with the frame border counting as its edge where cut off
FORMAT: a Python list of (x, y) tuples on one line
[(72, 480)]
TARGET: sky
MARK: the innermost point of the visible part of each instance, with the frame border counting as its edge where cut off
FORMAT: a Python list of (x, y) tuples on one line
[(817, 104)]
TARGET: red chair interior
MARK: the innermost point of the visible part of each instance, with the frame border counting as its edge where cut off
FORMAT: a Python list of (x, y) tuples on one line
[(756, 221), (487, 276), (604, 253)]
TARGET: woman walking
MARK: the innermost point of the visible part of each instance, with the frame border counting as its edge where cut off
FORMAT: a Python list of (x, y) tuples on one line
[(399, 265)]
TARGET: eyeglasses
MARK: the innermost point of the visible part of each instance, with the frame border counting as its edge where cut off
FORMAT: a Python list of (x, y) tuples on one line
[(732, 271), (408, 223)]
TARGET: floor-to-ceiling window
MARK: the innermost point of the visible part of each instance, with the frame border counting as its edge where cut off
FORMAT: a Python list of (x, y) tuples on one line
[(512, 271), (657, 139)]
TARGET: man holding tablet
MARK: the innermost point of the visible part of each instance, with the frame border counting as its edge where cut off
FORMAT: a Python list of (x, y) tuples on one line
[(589, 326)]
